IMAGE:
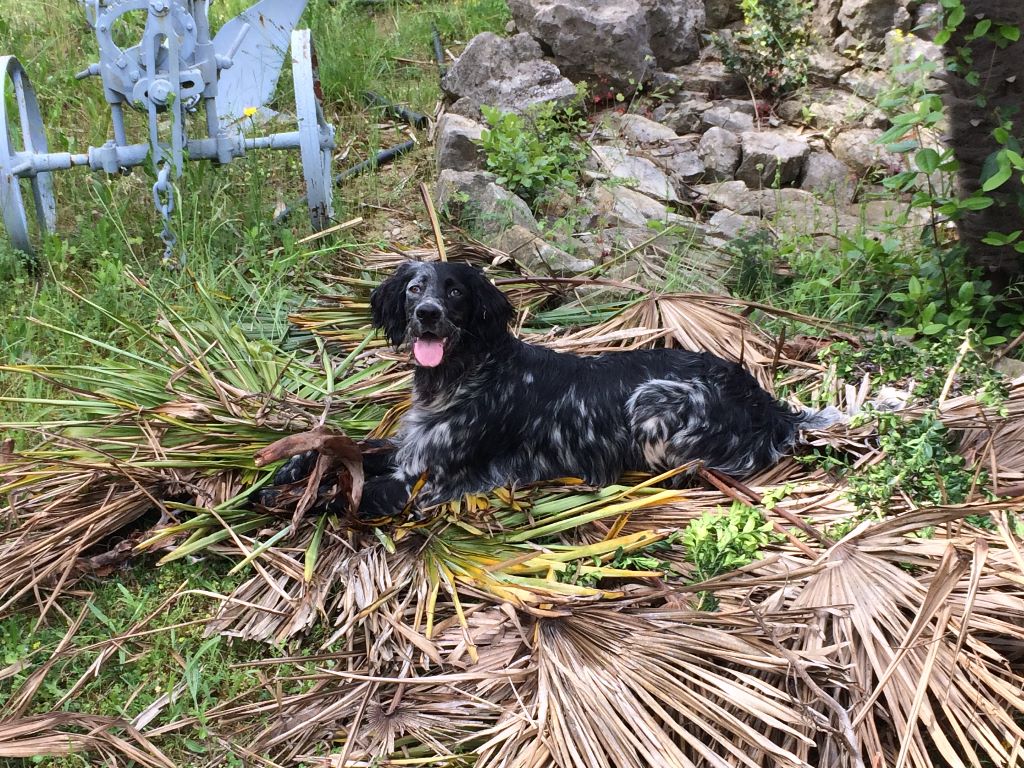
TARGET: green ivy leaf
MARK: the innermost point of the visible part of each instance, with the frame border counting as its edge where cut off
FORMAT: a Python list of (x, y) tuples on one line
[(1010, 32), (997, 172), (976, 203), (927, 160)]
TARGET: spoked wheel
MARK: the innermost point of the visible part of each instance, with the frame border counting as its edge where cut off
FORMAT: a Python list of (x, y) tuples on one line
[(19, 139), (316, 136)]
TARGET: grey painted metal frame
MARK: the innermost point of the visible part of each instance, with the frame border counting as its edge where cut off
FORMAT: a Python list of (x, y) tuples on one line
[(175, 70), (13, 163)]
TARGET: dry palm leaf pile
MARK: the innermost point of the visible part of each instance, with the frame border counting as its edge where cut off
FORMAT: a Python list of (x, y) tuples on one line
[(862, 608)]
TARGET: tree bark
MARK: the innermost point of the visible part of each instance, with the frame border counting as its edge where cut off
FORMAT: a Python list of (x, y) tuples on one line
[(1002, 86)]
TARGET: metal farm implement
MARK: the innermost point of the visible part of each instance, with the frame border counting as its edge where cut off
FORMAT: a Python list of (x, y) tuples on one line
[(174, 71)]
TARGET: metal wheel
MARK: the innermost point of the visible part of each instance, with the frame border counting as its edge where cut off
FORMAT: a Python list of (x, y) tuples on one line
[(16, 91), (316, 137)]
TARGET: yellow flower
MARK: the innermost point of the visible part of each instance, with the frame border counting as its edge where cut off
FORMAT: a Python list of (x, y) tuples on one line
[(250, 111)]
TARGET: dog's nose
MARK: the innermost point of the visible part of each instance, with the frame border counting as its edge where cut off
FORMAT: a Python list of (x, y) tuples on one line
[(428, 313)]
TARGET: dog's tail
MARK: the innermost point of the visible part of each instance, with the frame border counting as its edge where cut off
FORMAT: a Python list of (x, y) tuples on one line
[(823, 419)]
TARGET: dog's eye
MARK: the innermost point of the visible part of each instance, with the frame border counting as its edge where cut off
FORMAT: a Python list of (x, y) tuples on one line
[(415, 289), (455, 292)]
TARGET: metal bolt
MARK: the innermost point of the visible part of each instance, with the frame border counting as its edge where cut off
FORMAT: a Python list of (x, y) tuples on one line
[(189, 25), (122, 62), (134, 75), (159, 7), (159, 90)]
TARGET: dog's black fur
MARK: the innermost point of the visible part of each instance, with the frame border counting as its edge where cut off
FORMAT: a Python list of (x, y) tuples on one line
[(490, 410)]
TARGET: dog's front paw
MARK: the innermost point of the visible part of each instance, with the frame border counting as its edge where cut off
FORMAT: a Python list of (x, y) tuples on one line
[(294, 470), (384, 498)]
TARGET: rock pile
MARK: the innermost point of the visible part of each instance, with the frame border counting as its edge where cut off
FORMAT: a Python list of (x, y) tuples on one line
[(691, 151)]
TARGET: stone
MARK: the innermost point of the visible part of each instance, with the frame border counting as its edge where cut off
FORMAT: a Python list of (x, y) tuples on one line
[(824, 107), (538, 255), (637, 129), (806, 215), (733, 225), (858, 149), (455, 144), (719, 13), (878, 213), (728, 118), (665, 84), (679, 161), (739, 198), (674, 27), (905, 48), (731, 195), (686, 116), (710, 76), (828, 66), (869, 20), (509, 74), (771, 159), (475, 201), (719, 150), (927, 20), (637, 172), (828, 177), (825, 18), (619, 206), (605, 43), (865, 83)]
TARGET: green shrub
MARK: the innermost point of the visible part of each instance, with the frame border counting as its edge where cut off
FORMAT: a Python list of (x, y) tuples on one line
[(718, 542), (888, 360), (915, 289), (920, 463), (770, 51), (534, 153)]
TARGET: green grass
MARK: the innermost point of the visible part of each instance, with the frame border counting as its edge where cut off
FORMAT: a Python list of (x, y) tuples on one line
[(167, 655)]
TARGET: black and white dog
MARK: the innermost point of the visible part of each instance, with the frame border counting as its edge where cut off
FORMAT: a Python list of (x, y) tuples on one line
[(490, 410)]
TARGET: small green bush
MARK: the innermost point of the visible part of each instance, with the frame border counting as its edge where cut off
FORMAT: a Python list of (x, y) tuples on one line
[(920, 463), (534, 153), (718, 542), (770, 51)]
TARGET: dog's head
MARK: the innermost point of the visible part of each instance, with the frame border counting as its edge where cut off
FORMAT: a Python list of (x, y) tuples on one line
[(441, 309)]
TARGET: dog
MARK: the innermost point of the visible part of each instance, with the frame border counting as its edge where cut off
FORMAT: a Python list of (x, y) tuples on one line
[(490, 410)]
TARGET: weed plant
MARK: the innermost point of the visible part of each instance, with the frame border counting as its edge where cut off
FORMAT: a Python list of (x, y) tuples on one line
[(537, 153), (770, 50)]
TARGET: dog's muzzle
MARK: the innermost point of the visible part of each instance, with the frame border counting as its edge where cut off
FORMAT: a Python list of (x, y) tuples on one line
[(429, 333)]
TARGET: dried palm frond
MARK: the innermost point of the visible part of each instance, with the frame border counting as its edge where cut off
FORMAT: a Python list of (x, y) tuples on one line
[(70, 733), (924, 679), (172, 424), (651, 688), (517, 628)]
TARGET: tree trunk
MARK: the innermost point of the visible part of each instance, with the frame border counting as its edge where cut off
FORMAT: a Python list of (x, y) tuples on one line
[(1002, 86)]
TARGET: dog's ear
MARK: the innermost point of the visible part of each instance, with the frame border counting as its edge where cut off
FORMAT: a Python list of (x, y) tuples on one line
[(492, 311), (387, 304)]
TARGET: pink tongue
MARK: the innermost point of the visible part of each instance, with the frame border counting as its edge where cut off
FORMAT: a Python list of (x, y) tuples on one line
[(428, 352)]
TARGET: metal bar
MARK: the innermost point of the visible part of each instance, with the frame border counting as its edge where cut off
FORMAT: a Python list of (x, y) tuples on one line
[(117, 115), (29, 163), (289, 140), (383, 157), (112, 158)]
